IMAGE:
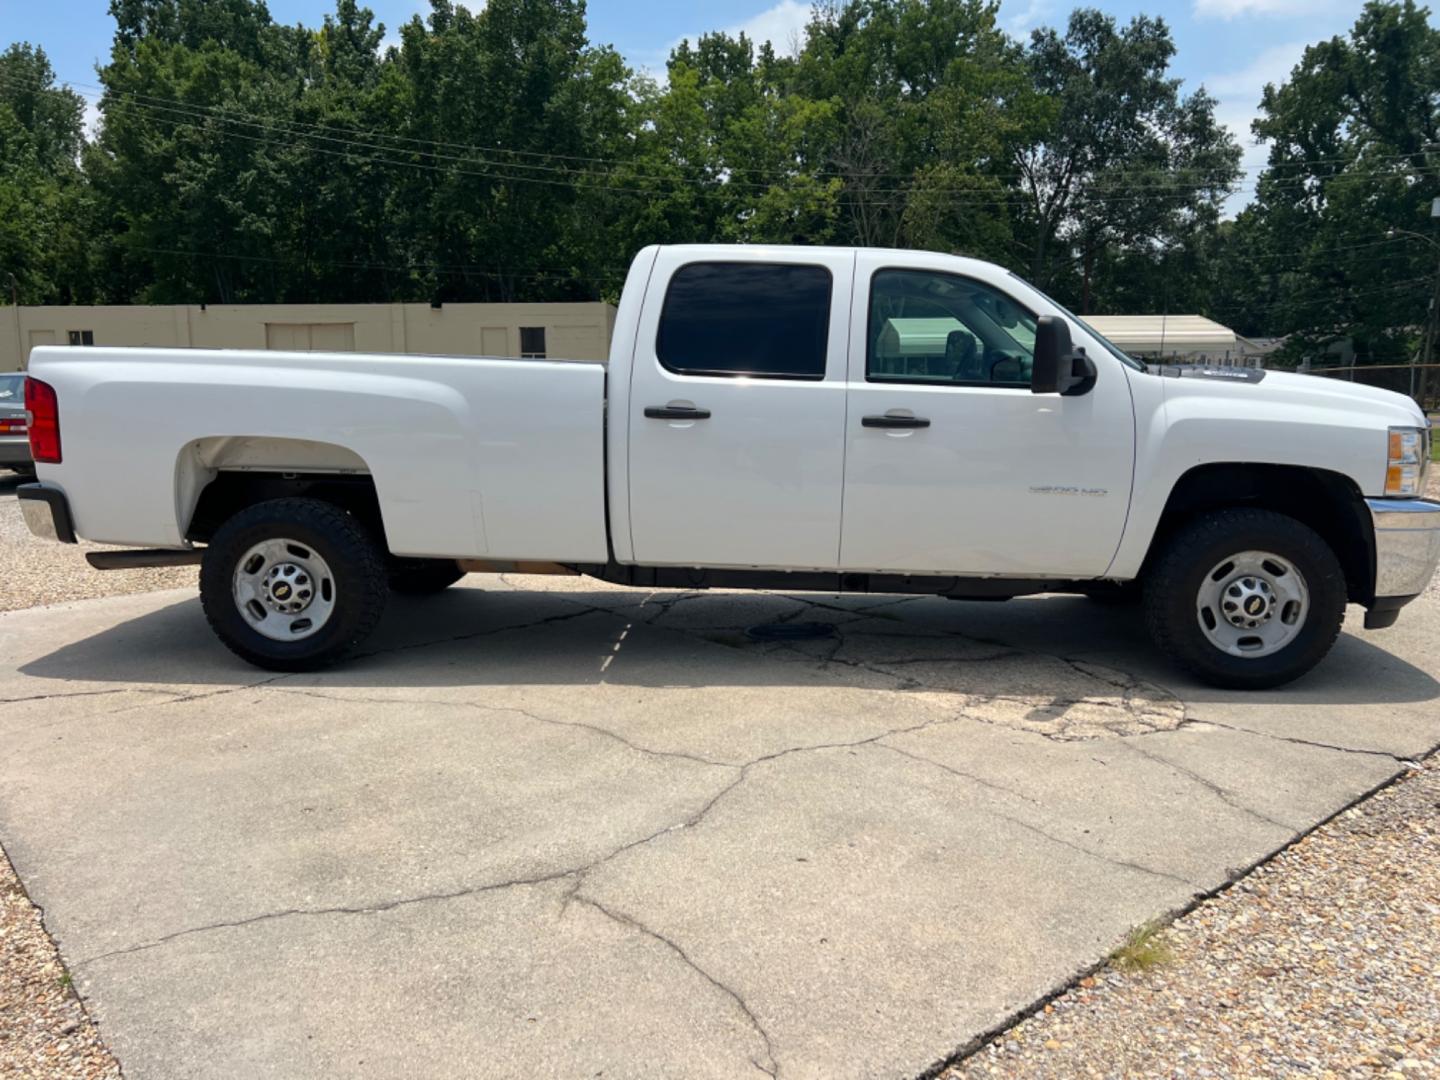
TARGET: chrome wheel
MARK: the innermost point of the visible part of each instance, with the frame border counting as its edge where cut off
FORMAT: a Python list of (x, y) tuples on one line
[(1252, 604), (284, 589)]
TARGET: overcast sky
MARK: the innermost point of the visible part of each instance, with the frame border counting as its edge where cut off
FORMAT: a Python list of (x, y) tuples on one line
[(1232, 47)]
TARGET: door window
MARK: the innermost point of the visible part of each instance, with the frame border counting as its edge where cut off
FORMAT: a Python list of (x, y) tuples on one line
[(944, 329), (765, 320)]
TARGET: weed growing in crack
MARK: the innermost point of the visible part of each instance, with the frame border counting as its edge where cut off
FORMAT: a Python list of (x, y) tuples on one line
[(1145, 947)]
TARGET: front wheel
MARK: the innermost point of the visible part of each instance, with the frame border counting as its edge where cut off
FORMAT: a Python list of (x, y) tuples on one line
[(1246, 599), (292, 584)]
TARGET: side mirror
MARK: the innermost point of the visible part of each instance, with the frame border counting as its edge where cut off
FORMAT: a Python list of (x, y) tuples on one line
[(1058, 368)]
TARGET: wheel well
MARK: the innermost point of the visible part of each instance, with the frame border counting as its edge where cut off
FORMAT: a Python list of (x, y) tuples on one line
[(1326, 501), (230, 492)]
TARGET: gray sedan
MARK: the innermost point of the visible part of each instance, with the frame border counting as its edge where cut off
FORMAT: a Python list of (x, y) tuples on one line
[(14, 436)]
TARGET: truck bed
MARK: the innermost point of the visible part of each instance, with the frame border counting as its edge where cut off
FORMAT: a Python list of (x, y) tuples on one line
[(470, 457)]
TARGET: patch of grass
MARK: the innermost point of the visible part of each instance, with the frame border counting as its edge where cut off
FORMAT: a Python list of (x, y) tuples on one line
[(1145, 947), (65, 981)]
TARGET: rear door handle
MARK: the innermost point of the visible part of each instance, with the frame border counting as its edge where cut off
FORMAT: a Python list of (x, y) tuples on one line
[(675, 412), (894, 421)]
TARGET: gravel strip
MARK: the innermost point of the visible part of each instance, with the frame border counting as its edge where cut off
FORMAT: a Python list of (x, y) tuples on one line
[(44, 1032), (36, 572), (1324, 962)]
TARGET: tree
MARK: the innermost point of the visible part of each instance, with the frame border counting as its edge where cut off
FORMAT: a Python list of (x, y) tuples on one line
[(1125, 160), (41, 190), (1354, 150)]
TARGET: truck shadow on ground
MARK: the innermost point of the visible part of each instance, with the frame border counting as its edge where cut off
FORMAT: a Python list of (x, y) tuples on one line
[(1072, 668)]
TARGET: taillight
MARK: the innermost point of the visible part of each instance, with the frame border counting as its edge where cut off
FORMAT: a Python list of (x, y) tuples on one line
[(44, 410)]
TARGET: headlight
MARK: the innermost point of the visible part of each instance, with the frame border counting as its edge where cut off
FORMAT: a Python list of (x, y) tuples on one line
[(1409, 461)]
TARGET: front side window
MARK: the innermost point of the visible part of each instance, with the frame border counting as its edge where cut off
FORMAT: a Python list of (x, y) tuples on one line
[(932, 327), (766, 320)]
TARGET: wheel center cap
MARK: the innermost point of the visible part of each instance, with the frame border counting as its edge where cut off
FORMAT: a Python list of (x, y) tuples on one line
[(288, 588), (1248, 601)]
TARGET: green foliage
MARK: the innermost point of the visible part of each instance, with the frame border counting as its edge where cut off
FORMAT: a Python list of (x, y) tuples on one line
[(1354, 151), (42, 195), (499, 154)]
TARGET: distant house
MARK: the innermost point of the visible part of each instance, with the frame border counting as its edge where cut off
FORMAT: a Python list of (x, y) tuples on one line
[(1178, 339)]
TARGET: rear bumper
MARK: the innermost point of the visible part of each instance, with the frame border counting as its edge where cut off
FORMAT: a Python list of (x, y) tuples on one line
[(46, 512), (14, 450), (1407, 550)]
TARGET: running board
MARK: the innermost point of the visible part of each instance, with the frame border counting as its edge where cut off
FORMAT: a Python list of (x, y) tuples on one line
[(133, 560)]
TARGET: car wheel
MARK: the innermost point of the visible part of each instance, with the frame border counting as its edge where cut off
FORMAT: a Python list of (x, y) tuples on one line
[(1245, 599), (421, 577), (292, 584)]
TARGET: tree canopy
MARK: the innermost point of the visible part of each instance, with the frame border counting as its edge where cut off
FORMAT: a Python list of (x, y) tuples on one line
[(500, 154)]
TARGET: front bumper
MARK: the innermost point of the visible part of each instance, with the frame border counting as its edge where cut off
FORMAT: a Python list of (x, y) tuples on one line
[(46, 512), (1407, 550)]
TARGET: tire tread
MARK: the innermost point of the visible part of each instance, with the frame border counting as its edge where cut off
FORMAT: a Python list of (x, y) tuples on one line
[(1189, 546), (360, 557)]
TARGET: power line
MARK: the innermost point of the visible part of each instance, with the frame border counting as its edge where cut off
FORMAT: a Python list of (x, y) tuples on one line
[(232, 115)]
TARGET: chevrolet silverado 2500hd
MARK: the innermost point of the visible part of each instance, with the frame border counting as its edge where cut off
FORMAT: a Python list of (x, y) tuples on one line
[(770, 417)]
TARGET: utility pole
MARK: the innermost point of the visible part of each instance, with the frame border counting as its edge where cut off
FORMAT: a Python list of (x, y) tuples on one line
[(1419, 388), (20, 357)]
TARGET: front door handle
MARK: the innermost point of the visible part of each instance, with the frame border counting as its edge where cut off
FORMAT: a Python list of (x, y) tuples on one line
[(894, 421), (676, 412)]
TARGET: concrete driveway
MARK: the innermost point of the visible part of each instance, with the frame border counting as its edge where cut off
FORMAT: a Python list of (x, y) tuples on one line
[(550, 828)]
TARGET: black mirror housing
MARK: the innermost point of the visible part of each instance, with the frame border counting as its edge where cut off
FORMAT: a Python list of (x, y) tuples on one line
[(1058, 368)]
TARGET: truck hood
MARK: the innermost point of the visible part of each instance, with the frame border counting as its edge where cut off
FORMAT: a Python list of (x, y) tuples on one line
[(1288, 388)]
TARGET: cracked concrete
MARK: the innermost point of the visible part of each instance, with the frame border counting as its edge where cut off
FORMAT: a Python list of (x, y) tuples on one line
[(546, 826)]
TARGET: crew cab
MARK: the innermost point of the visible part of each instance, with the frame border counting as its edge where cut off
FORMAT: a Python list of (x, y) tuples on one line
[(791, 418)]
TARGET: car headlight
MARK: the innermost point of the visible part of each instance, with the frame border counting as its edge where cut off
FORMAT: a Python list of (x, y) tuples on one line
[(1409, 461)]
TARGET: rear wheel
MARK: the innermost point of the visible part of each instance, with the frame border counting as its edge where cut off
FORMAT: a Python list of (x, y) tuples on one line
[(1246, 599), (292, 584), (421, 577)]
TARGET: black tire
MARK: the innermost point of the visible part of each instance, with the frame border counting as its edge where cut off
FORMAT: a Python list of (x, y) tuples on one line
[(355, 563), (421, 577), (1172, 588)]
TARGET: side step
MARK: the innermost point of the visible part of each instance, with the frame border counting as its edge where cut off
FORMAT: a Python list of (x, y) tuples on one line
[(132, 560)]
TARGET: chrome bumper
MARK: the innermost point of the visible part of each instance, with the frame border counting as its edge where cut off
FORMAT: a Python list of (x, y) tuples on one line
[(1407, 545), (46, 512)]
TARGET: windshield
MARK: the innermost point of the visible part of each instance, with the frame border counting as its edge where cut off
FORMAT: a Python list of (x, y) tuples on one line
[(12, 389), (1114, 350)]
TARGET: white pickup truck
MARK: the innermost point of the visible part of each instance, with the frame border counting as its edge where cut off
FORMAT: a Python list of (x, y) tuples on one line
[(792, 418)]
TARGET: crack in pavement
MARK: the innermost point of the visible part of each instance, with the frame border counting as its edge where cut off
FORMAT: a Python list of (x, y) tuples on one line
[(742, 771), (363, 909), (84, 694), (960, 772), (1306, 742), (579, 724), (1037, 830), (1224, 794), (773, 1067), (1048, 712)]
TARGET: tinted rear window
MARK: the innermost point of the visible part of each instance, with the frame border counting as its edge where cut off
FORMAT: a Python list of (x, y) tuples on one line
[(746, 319)]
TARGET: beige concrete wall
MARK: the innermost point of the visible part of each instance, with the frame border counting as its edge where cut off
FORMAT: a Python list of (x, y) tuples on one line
[(572, 331)]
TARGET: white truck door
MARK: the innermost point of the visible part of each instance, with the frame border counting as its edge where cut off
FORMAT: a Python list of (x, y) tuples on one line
[(952, 464), (737, 409)]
